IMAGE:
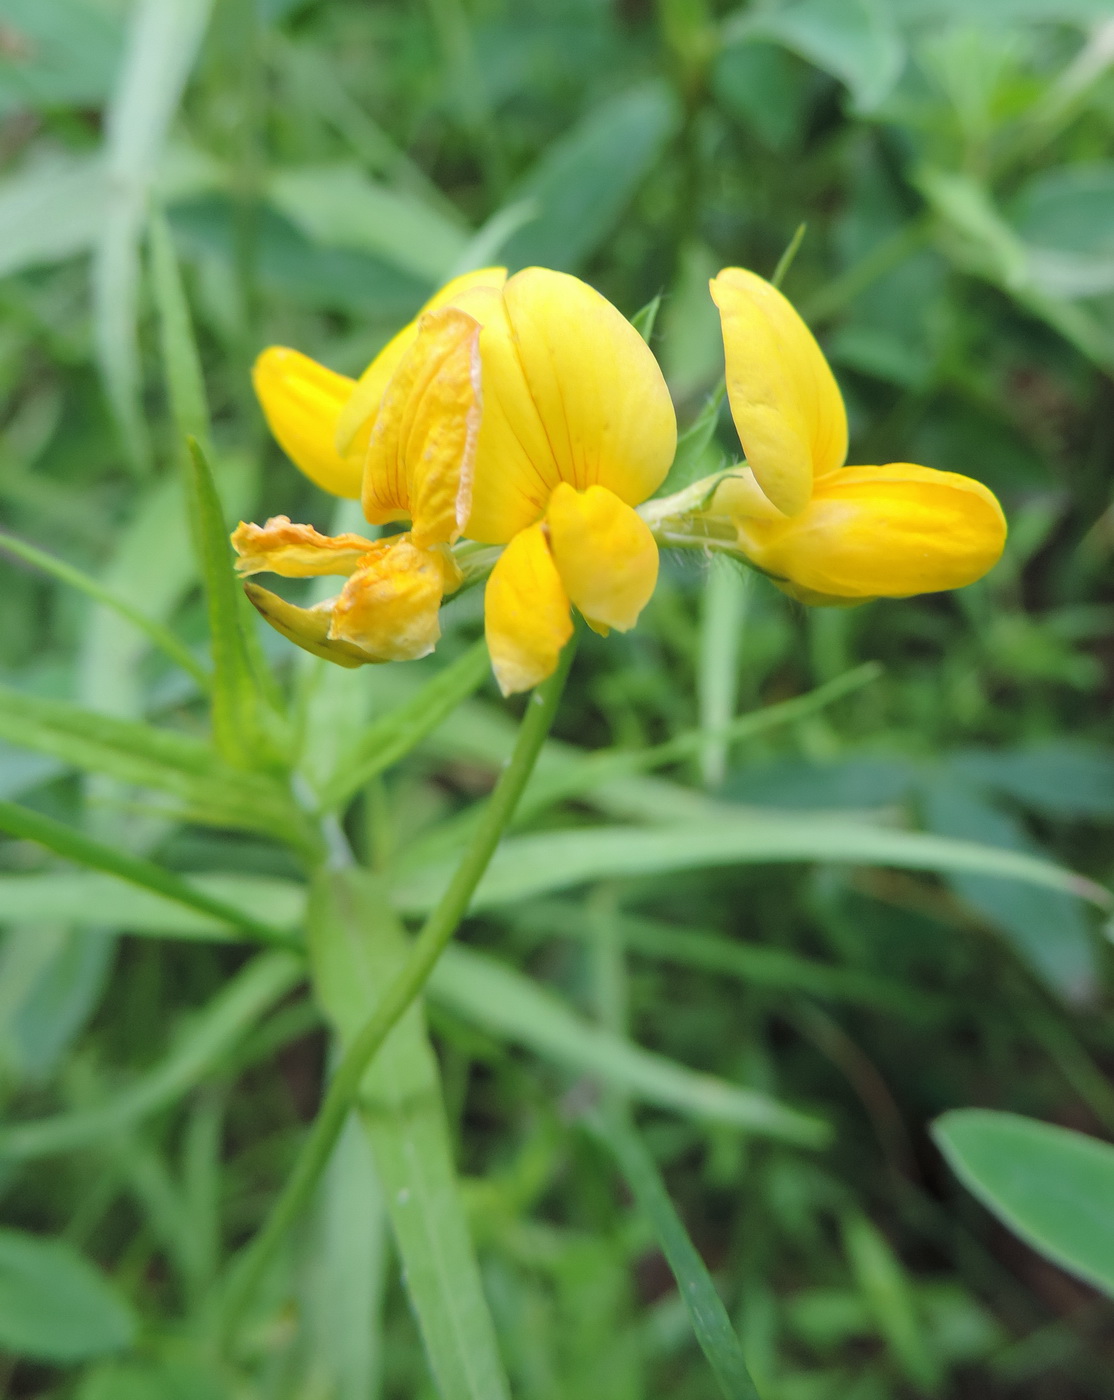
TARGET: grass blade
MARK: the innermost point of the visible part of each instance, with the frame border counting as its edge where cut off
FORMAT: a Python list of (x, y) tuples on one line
[(181, 361), (164, 40), (533, 865), (510, 1006), (156, 632), (74, 845), (709, 1317)]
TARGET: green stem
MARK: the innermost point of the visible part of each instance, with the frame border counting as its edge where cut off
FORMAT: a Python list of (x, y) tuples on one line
[(406, 987)]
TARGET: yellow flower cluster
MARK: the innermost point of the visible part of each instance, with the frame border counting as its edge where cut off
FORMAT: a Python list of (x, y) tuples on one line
[(526, 413)]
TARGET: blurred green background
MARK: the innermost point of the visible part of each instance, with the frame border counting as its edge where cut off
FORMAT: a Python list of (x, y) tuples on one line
[(324, 165)]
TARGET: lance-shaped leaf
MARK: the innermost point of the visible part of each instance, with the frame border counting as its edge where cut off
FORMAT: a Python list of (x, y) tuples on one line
[(356, 947)]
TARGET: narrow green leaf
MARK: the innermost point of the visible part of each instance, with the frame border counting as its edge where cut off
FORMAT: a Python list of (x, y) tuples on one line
[(1051, 1186), (357, 947), (245, 727), (753, 964), (164, 38), (722, 620), (510, 1006), (74, 845), (710, 1322), (210, 1036), (157, 633), (50, 209), (890, 1297), (526, 866), (393, 736), (86, 898), (785, 262), (184, 768), (181, 361), (54, 1305), (644, 320)]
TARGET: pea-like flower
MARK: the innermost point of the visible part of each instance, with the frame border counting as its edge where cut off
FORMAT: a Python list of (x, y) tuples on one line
[(525, 413), (403, 439), (827, 533)]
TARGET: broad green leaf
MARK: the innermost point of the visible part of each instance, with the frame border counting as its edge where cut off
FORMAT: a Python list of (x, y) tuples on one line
[(526, 866), (54, 1305), (506, 1004), (585, 180), (889, 1296), (388, 739), (357, 946), (154, 1380), (1051, 1186), (163, 39), (1064, 779), (338, 206), (64, 53), (71, 844), (50, 209), (184, 768), (209, 1037), (710, 1322)]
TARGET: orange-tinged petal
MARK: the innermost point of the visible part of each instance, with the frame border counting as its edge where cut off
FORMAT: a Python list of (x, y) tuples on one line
[(302, 402), (784, 399), (882, 532), (389, 607), (571, 393), (359, 412), (420, 456), (295, 551), (604, 552), (526, 613)]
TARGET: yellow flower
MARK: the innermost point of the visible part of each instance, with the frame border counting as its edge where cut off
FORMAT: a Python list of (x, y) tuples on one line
[(577, 429), (825, 532), (402, 437), (524, 412)]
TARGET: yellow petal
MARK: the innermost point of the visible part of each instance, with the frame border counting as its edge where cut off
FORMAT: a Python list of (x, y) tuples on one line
[(358, 414), (571, 393), (307, 628), (604, 552), (784, 399), (295, 551), (526, 613), (389, 607), (883, 532), (420, 456), (302, 402)]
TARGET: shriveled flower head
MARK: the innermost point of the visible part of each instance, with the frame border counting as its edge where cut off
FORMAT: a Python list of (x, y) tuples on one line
[(402, 438), (825, 532)]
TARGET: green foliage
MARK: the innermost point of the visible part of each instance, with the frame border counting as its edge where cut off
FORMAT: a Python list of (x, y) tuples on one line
[(784, 885), (1050, 1185)]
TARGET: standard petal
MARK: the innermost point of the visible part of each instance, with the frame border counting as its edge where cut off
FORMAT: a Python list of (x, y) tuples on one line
[(295, 551), (302, 402), (784, 399), (358, 415), (605, 554), (883, 532), (389, 607), (526, 613), (420, 456), (571, 393)]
